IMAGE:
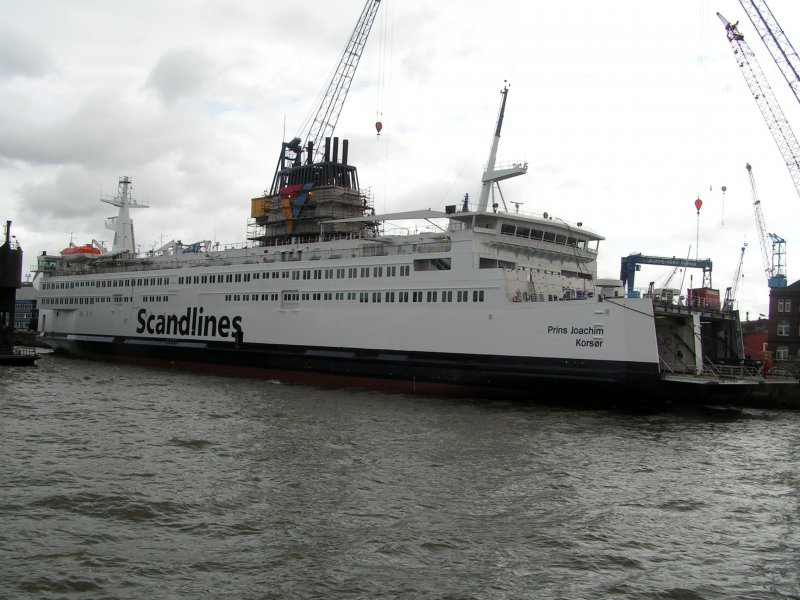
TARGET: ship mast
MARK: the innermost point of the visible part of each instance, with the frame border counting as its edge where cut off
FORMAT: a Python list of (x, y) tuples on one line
[(492, 177), (122, 224)]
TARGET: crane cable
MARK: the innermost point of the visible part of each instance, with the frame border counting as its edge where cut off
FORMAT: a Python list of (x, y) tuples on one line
[(384, 81), (382, 62)]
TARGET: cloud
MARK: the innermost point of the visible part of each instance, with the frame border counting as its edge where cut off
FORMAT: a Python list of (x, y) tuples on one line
[(180, 74), (22, 56)]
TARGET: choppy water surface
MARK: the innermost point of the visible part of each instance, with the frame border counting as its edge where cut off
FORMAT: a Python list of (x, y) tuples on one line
[(121, 482)]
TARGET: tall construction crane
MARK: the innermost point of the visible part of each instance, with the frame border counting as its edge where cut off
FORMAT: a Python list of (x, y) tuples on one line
[(775, 40), (730, 293), (770, 109), (774, 257), (327, 114)]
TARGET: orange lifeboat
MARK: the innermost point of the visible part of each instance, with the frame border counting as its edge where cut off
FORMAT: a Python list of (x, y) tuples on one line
[(76, 252)]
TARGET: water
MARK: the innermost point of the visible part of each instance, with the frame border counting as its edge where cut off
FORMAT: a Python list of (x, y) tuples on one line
[(123, 482)]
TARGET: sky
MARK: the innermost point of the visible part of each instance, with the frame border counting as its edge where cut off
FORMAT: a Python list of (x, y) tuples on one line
[(626, 113)]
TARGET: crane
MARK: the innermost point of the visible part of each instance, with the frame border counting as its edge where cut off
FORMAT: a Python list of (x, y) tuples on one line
[(327, 114), (730, 293), (770, 109), (775, 40), (774, 266)]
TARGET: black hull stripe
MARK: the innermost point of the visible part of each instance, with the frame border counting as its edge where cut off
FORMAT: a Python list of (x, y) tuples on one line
[(403, 371)]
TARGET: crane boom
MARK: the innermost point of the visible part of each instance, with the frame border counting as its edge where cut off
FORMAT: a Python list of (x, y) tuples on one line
[(775, 40), (773, 262), (762, 93), (327, 114), (331, 107), (730, 293)]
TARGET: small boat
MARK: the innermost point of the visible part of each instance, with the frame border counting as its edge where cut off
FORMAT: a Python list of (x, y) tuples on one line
[(19, 357)]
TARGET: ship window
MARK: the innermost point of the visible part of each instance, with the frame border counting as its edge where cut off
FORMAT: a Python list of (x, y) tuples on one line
[(304, 296), (507, 229), (405, 270), (227, 297), (247, 276), (363, 297), (432, 296), (376, 296), (523, 232), (377, 271), (317, 273), (561, 239), (351, 295), (328, 273), (340, 295), (295, 275), (432, 264), (391, 271), (364, 271), (340, 273), (306, 274), (417, 297), (402, 296), (477, 296), (549, 236), (389, 297), (352, 273), (447, 296)]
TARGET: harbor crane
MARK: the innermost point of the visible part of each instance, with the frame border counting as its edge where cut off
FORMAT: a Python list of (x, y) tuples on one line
[(327, 114), (762, 93), (730, 293), (773, 247), (775, 40)]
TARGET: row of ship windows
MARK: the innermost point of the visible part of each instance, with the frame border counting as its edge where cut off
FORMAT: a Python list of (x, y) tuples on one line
[(365, 297), (545, 236), (294, 296), (105, 283), (93, 300), (295, 275), (301, 274)]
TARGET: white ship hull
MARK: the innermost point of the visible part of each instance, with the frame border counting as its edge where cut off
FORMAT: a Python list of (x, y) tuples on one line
[(477, 301)]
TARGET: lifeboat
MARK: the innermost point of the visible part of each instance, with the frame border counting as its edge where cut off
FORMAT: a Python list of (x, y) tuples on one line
[(73, 252)]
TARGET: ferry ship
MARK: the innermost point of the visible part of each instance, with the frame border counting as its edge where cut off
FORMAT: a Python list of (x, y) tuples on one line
[(475, 299)]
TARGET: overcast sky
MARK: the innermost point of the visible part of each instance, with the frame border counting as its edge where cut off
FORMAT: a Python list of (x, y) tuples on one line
[(626, 112)]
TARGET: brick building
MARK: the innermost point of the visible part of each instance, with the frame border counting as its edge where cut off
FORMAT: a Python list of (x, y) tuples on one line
[(783, 333)]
